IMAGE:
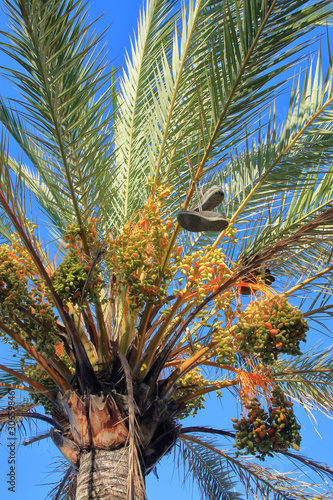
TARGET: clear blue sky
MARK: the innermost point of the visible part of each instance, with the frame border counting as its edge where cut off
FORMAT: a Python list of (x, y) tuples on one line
[(35, 462)]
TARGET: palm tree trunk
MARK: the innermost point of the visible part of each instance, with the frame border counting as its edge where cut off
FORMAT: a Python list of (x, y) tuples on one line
[(103, 474)]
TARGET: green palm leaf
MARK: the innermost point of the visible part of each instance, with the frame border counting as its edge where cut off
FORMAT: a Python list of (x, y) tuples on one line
[(259, 482), (133, 165), (61, 75), (193, 107), (214, 93), (308, 379), (208, 471)]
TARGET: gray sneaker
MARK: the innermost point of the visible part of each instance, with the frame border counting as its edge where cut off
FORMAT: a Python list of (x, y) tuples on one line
[(211, 199), (201, 221)]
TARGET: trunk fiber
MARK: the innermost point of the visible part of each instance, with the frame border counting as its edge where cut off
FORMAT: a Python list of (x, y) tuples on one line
[(103, 475)]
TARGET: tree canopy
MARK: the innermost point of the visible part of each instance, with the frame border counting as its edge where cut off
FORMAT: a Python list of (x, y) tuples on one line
[(189, 241)]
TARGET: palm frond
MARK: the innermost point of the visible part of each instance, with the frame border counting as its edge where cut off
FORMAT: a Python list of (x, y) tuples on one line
[(133, 165), (23, 378), (61, 77), (22, 409), (9, 382), (213, 479), (242, 61), (308, 380), (269, 187), (259, 482), (24, 413), (36, 438), (65, 488), (39, 179), (321, 469)]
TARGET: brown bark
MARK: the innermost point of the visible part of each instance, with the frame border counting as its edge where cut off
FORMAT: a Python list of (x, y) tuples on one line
[(103, 475)]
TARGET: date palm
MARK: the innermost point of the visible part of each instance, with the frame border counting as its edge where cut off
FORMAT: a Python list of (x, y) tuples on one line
[(125, 321)]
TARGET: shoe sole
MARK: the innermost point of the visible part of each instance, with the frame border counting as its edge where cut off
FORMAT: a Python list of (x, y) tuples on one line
[(198, 222), (210, 200), (268, 278)]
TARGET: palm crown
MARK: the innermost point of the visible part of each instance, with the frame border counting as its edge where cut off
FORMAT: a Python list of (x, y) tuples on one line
[(126, 321)]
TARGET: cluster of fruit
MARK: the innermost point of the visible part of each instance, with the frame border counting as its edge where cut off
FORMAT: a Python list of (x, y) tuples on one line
[(75, 279), (231, 233), (270, 327), (265, 432), (24, 296), (36, 372), (226, 348), (223, 302), (224, 306), (203, 269), (137, 254), (191, 382), (73, 236)]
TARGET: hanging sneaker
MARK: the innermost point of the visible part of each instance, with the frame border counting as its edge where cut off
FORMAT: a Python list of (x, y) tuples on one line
[(197, 222), (268, 277), (210, 199), (252, 280)]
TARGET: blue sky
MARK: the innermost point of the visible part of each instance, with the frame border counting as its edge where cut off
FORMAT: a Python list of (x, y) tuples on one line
[(34, 462)]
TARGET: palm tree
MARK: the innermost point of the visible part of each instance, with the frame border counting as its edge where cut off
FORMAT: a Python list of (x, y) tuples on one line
[(125, 320)]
